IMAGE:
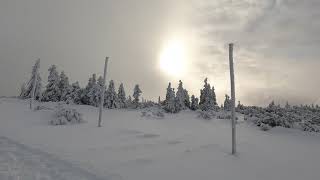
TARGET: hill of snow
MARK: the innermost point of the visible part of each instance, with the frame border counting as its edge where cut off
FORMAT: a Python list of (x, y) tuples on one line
[(178, 146)]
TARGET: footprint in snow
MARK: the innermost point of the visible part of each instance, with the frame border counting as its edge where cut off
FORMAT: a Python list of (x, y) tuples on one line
[(148, 136)]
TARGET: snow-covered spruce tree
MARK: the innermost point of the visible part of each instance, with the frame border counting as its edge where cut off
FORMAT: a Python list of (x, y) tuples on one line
[(194, 103), (214, 96), (180, 97), (26, 89), (186, 98), (122, 97), (227, 103), (111, 100), (129, 102), (52, 91), (170, 101), (95, 92), (64, 86), (287, 105), (74, 96), (136, 94), (206, 98), (85, 96)]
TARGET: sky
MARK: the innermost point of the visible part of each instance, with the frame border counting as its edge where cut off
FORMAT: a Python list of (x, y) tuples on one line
[(153, 42)]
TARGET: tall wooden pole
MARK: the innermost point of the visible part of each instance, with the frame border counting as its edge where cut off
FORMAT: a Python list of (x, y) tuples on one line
[(102, 91), (233, 99), (34, 83)]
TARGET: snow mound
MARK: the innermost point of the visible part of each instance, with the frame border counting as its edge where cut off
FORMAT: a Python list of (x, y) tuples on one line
[(65, 115)]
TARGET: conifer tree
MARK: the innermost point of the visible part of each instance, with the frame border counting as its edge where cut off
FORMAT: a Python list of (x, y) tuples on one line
[(170, 101), (74, 96), (129, 102), (136, 94), (194, 103), (111, 100), (122, 97), (26, 89), (95, 92), (214, 96), (206, 98), (180, 97), (64, 86), (227, 103), (186, 99), (85, 95), (287, 105), (52, 92), (159, 100)]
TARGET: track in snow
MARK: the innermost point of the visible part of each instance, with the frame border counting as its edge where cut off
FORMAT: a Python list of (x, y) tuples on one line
[(18, 162)]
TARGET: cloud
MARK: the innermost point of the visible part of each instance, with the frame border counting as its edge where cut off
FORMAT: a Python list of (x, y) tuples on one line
[(276, 46)]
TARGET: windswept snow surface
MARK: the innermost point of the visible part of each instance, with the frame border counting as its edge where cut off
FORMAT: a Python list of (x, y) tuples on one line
[(177, 147), (18, 162)]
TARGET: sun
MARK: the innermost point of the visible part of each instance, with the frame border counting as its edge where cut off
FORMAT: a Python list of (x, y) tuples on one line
[(173, 58)]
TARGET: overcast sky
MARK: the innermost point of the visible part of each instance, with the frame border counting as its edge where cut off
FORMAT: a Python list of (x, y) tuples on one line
[(276, 44)]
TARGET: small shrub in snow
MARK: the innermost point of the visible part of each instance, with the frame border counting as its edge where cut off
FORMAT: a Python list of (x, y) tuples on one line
[(265, 127), (224, 115), (309, 126), (65, 115), (206, 115), (153, 113), (39, 108), (302, 117)]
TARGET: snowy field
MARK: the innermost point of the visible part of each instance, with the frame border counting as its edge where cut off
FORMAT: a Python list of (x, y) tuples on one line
[(130, 147)]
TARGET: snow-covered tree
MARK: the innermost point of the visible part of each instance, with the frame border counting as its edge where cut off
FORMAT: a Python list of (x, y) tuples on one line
[(182, 96), (85, 96), (194, 103), (206, 97), (26, 89), (95, 92), (159, 101), (129, 102), (287, 105), (170, 101), (227, 103), (64, 86), (186, 99), (272, 105), (136, 94), (214, 96), (122, 97), (52, 91), (111, 100), (74, 96)]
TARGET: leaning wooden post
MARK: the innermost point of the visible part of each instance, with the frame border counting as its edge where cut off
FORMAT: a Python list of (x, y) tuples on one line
[(34, 83), (102, 91), (233, 99)]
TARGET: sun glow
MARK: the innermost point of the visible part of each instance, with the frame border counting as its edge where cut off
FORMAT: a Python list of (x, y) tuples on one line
[(172, 58)]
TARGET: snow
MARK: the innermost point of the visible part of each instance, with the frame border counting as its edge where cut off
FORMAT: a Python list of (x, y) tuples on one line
[(178, 146), (20, 162)]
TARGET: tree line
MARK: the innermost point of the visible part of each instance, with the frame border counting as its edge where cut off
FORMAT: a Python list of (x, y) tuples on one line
[(58, 88)]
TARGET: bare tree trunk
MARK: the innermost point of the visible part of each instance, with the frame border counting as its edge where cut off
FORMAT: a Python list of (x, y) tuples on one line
[(34, 83), (233, 99), (103, 90)]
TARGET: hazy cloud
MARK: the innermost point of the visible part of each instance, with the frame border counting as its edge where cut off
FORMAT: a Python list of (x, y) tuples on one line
[(276, 44)]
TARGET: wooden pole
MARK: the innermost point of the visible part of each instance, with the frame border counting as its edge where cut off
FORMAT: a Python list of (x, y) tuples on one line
[(34, 83), (102, 91), (233, 99)]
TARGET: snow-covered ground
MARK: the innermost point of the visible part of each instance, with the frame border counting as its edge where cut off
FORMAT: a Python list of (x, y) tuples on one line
[(19, 162), (177, 147)]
